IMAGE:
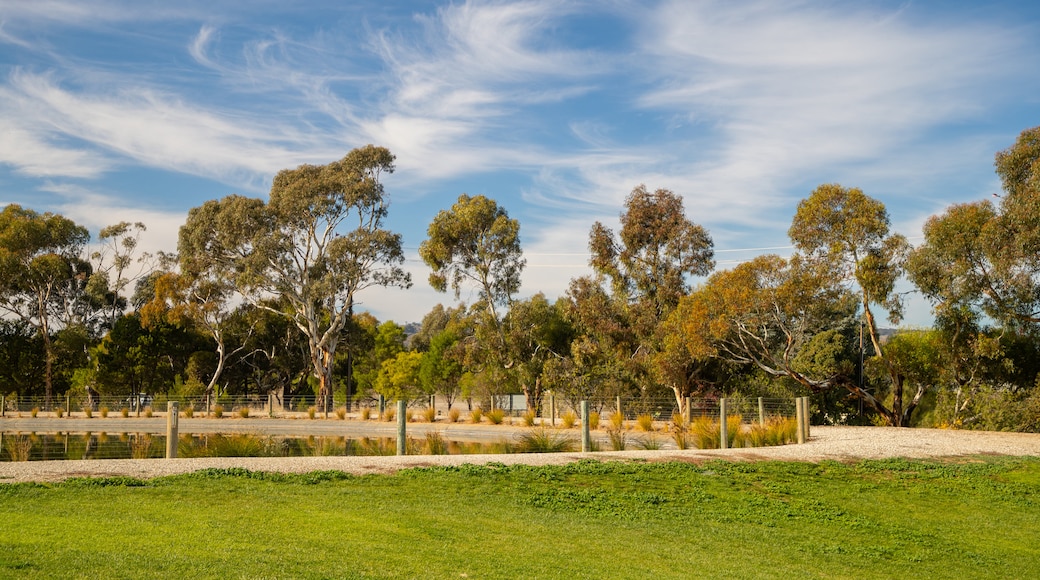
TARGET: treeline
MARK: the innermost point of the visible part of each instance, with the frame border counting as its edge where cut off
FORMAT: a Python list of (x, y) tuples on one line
[(260, 297)]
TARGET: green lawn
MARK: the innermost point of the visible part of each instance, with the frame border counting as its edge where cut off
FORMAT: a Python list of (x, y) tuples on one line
[(895, 518)]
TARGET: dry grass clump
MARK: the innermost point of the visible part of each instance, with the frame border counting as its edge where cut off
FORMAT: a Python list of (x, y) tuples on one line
[(475, 415), (645, 422), (568, 419), (496, 416), (430, 414), (617, 420), (453, 415), (594, 420)]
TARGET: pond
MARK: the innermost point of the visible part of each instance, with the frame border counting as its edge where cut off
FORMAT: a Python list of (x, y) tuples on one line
[(76, 446)]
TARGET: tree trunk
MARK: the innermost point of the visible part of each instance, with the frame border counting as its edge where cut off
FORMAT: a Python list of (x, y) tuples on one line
[(533, 396)]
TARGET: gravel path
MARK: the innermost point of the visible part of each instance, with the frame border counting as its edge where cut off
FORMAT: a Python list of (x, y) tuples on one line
[(837, 443)]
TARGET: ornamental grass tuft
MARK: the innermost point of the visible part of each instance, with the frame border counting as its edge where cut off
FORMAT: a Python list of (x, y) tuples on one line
[(544, 440), (645, 422), (496, 416), (568, 419)]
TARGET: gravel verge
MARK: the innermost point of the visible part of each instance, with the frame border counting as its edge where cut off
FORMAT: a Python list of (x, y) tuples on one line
[(826, 443)]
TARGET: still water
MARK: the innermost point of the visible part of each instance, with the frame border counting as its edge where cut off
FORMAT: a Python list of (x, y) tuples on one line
[(72, 446)]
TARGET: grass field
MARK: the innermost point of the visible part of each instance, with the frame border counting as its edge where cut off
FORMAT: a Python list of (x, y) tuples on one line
[(892, 518)]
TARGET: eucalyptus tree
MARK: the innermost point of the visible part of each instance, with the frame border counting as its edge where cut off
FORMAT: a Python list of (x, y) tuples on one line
[(39, 258), (846, 231), (316, 243), (475, 242), (118, 263), (985, 257), (649, 264), (781, 316)]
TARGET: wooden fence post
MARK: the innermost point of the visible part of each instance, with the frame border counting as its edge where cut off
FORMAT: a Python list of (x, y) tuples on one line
[(799, 415), (761, 412), (552, 408), (172, 413), (402, 408), (620, 412), (723, 430), (586, 440), (806, 415)]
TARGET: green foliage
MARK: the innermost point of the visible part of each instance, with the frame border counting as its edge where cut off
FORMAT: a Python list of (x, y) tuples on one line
[(297, 246), (496, 416), (544, 440), (475, 241)]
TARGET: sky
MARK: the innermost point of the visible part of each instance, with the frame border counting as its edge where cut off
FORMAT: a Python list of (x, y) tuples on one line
[(137, 111)]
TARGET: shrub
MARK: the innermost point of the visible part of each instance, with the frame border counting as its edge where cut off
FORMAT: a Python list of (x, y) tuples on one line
[(34, 412), (475, 415), (705, 433), (529, 418), (389, 413), (733, 430), (544, 440), (618, 439), (496, 416), (650, 443), (679, 432), (341, 413), (312, 412), (148, 412), (218, 411), (430, 414), (19, 447), (409, 415), (243, 412), (593, 420), (104, 412), (568, 419), (435, 444), (125, 412), (366, 414), (617, 420), (88, 412), (189, 411), (59, 412), (645, 422), (453, 415)]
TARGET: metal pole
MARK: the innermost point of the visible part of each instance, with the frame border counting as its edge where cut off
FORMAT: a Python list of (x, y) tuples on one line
[(586, 440), (402, 449), (172, 412)]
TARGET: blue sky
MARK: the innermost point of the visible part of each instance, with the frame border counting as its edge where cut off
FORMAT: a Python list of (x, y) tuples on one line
[(129, 110)]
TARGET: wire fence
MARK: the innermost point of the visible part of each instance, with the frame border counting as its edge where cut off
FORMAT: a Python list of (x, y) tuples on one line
[(750, 409)]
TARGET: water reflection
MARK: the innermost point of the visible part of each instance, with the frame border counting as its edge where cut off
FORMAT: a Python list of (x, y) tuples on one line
[(76, 446)]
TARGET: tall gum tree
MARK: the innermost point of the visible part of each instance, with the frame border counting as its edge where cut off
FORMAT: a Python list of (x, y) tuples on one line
[(649, 264), (317, 242), (847, 231), (39, 258), (476, 243)]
